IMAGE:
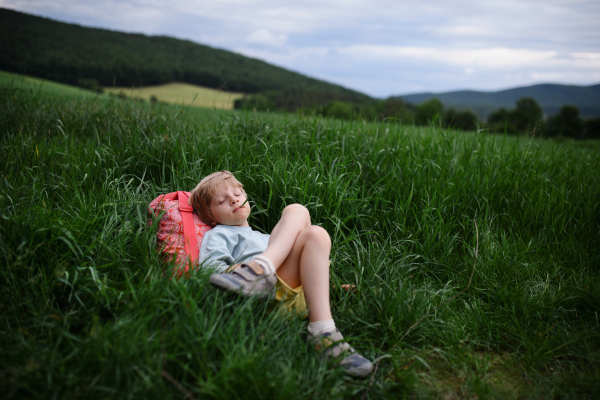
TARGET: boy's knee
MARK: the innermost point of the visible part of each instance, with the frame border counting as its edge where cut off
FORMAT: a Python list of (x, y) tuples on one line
[(297, 209), (316, 233)]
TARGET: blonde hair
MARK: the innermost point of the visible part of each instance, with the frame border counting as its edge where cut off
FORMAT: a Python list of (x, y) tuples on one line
[(203, 193)]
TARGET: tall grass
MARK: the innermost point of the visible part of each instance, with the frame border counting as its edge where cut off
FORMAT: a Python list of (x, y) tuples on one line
[(85, 310)]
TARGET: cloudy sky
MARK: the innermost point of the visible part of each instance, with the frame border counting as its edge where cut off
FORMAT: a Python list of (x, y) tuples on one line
[(379, 47)]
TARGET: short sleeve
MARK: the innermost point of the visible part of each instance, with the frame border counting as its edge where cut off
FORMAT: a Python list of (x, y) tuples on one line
[(215, 250)]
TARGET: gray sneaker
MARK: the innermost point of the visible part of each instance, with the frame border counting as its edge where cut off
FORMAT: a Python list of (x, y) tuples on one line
[(331, 345), (247, 279)]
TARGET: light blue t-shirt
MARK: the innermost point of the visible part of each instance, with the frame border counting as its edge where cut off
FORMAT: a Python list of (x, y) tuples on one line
[(225, 245)]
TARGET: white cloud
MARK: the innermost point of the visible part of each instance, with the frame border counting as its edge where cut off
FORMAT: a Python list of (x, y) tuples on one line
[(263, 36), (497, 57), (546, 76), (589, 56), (382, 72)]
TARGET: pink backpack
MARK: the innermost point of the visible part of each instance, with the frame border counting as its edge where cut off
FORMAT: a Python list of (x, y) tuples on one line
[(180, 230)]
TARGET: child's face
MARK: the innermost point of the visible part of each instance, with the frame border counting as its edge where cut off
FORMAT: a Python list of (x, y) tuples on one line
[(225, 207)]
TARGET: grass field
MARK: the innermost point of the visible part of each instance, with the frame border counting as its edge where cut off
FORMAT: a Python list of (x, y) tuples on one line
[(39, 86), (85, 311), (183, 94), (174, 93)]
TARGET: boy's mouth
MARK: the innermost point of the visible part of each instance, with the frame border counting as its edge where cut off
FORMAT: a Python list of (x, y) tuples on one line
[(242, 206)]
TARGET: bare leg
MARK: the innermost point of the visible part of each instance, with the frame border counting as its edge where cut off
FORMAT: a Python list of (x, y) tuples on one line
[(294, 219), (300, 253), (308, 265)]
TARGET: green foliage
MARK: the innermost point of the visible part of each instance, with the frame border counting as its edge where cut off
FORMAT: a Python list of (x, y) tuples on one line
[(395, 108), (85, 310), (566, 123), (303, 99), (465, 120), (339, 109), (525, 118), (256, 102), (499, 120), (592, 128), (368, 112), (429, 112), (91, 84)]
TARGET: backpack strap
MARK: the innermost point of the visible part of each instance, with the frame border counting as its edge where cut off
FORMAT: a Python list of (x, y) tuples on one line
[(189, 231)]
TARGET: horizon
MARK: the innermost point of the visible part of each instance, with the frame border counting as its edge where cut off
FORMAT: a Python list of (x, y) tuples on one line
[(362, 52), (502, 90)]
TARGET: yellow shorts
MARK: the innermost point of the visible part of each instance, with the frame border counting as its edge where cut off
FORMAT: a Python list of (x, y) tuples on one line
[(290, 300)]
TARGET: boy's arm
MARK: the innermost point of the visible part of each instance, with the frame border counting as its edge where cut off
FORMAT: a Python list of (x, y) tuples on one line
[(215, 250)]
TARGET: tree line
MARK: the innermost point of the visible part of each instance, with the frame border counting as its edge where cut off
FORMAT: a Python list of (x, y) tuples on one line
[(526, 118)]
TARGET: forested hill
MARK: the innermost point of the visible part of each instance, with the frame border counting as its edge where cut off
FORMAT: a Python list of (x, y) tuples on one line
[(79, 55), (551, 97)]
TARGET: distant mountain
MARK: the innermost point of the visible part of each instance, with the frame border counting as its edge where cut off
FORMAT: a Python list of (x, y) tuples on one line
[(82, 56), (551, 97)]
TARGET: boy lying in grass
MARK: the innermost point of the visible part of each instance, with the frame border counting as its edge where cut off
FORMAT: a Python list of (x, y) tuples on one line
[(290, 266)]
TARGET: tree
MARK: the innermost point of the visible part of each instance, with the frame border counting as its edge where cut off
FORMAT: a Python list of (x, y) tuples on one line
[(466, 120), (339, 109), (527, 117), (255, 102), (368, 112), (499, 121), (449, 117), (393, 106), (592, 128), (499, 116), (566, 123), (429, 112)]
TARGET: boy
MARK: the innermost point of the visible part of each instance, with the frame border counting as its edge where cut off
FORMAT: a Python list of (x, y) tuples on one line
[(291, 264)]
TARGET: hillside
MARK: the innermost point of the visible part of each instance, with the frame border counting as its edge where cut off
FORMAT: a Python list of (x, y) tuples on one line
[(550, 96), (28, 84), (175, 93), (83, 56)]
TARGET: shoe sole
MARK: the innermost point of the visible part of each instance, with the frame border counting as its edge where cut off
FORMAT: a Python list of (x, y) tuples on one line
[(223, 283), (360, 372)]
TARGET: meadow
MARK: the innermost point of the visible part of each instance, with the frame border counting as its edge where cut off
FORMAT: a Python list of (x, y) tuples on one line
[(39, 86), (182, 94), (86, 310), (173, 93)]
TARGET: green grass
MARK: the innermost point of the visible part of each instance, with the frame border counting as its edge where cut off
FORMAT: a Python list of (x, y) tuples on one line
[(86, 312), (37, 86), (183, 94)]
